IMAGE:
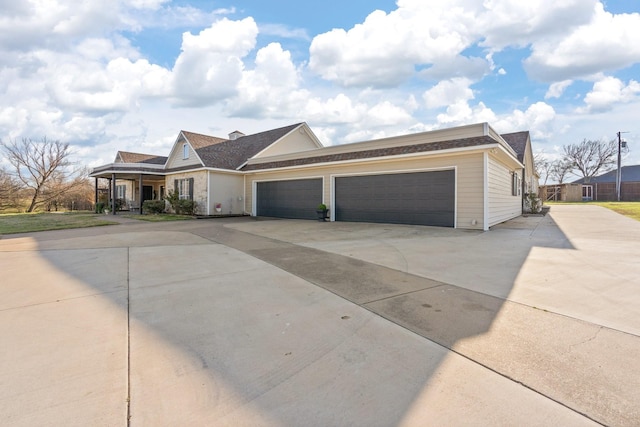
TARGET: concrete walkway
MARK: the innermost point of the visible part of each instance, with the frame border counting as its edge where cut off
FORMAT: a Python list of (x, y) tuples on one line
[(244, 322)]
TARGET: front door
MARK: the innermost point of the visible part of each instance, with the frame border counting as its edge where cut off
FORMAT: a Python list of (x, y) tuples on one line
[(587, 192), (147, 192)]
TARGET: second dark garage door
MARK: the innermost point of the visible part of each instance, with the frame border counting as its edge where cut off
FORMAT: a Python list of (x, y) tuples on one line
[(289, 199), (420, 198)]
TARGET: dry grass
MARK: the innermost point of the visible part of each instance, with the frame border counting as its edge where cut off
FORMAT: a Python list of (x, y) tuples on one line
[(26, 223)]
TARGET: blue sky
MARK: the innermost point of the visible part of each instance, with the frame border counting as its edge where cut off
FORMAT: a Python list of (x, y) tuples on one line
[(130, 74)]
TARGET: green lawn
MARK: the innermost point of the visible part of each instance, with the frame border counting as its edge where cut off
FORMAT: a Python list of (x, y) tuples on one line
[(159, 217), (26, 223), (630, 209)]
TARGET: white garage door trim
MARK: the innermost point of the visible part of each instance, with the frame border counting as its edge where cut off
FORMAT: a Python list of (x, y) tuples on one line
[(393, 172), (254, 189)]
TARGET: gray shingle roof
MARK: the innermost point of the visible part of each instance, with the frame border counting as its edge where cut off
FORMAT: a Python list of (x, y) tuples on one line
[(198, 140), (517, 141), (629, 174), (379, 152), (129, 157), (231, 154)]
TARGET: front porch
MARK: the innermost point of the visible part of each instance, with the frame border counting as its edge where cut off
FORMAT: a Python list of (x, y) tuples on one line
[(128, 187)]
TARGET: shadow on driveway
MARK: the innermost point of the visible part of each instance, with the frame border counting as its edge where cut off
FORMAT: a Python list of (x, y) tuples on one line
[(214, 336)]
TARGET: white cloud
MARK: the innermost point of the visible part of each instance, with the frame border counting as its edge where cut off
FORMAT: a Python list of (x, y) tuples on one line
[(271, 89), (517, 23), (607, 42), (610, 91), (557, 89), (337, 110), (538, 118), (461, 113), (448, 92), (210, 66), (386, 114), (70, 70), (385, 48)]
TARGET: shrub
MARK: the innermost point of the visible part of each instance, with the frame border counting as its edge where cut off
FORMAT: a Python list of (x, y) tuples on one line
[(173, 198), (181, 206), (186, 207), (153, 206), (532, 203), (100, 207)]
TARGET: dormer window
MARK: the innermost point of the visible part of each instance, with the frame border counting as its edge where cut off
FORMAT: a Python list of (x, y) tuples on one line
[(185, 151)]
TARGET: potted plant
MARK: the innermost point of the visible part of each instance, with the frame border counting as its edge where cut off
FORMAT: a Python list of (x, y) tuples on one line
[(322, 210)]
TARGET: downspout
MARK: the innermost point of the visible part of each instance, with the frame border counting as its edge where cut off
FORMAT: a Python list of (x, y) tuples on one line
[(244, 195), (522, 184), (208, 192), (96, 193), (485, 192)]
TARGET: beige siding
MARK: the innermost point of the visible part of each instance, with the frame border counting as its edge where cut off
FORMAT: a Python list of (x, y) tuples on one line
[(199, 187), (176, 157), (227, 190), (469, 177), (502, 204), (417, 138), (294, 142), (531, 181)]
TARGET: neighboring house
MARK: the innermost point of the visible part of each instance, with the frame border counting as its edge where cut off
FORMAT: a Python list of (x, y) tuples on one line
[(465, 177), (603, 187)]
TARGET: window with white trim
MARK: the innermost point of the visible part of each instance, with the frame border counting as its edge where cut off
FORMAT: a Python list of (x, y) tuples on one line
[(185, 151), (184, 188), (516, 184), (121, 191)]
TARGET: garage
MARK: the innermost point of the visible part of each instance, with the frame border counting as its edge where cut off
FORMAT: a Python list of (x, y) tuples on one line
[(295, 199), (419, 198)]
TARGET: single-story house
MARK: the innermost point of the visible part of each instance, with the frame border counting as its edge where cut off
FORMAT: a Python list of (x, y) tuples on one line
[(603, 187), (465, 177)]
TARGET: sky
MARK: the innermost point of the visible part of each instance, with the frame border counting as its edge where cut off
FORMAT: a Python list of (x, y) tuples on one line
[(130, 74)]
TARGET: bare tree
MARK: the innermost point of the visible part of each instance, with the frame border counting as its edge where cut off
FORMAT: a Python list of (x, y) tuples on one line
[(543, 166), (10, 191), (40, 163), (590, 157), (559, 169)]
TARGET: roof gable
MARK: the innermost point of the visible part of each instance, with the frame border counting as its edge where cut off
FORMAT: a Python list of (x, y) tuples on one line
[(232, 154), (193, 141), (198, 140), (517, 141)]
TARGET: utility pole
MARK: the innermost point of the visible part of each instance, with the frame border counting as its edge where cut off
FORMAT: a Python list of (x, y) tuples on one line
[(619, 172), (621, 144)]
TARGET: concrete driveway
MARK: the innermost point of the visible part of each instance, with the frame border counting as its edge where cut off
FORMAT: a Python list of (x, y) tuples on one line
[(279, 323)]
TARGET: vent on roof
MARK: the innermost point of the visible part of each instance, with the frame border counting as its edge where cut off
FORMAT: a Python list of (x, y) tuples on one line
[(235, 135)]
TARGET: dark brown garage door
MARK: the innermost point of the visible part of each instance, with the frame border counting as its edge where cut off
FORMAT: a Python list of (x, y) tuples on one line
[(289, 199), (421, 198)]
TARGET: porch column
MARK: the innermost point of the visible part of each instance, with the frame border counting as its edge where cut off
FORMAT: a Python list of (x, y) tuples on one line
[(113, 194), (95, 200), (140, 194)]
